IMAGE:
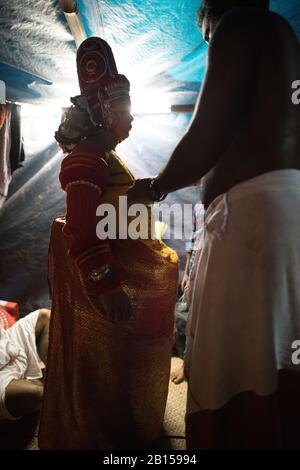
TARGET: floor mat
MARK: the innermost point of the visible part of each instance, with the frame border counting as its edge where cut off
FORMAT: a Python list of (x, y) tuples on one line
[(173, 434)]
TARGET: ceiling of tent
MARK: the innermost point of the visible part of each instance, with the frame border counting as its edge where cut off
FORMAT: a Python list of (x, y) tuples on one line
[(37, 50), (156, 43)]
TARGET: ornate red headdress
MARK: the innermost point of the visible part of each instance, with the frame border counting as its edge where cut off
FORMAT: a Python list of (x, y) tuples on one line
[(99, 80)]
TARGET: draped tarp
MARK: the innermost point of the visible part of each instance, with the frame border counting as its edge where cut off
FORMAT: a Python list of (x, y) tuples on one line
[(156, 43)]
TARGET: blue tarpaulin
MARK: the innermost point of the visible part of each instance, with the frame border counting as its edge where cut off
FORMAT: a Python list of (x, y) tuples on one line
[(156, 43)]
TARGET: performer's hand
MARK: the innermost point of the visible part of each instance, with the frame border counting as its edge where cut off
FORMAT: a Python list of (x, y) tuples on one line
[(140, 192), (116, 305)]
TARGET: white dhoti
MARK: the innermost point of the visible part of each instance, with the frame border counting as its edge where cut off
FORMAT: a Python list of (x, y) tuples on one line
[(242, 363)]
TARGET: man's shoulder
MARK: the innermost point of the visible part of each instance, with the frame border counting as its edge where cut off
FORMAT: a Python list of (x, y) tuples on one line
[(250, 19), (247, 25)]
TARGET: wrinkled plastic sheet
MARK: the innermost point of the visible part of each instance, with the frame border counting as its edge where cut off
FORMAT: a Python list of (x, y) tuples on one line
[(37, 54), (157, 44)]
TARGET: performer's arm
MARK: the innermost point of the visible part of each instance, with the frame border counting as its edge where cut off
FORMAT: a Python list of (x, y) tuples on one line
[(84, 183), (92, 256)]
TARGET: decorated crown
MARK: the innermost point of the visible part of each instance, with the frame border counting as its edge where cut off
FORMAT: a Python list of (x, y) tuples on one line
[(98, 77)]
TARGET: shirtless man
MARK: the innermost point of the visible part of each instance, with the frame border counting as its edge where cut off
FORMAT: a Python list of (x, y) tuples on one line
[(245, 101), (245, 135)]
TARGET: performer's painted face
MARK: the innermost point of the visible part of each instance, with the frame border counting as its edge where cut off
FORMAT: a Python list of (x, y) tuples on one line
[(122, 119)]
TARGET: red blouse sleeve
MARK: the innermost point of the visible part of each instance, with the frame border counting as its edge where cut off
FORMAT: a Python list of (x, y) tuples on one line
[(84, 177)]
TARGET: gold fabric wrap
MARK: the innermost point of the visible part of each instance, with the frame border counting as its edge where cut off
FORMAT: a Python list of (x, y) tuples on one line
[(3, 114), (106, 384)]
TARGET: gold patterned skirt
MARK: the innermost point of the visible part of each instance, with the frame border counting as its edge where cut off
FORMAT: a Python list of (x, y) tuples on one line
[(107, 383)]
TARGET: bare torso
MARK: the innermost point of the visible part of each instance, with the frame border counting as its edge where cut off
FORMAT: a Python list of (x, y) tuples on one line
[(269, 135)]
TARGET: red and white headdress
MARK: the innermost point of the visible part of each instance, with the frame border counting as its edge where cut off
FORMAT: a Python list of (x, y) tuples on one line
[(99, 80)]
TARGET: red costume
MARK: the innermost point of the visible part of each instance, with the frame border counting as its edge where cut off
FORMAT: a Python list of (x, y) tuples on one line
[(107, 383)]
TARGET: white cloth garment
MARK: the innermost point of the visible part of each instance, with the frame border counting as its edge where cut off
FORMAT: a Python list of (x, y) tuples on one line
[(245, 311), (18, 356)]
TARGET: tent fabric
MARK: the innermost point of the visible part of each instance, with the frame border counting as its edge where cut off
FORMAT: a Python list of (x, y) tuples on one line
[(37, 51), (161, 39), (164, 48)]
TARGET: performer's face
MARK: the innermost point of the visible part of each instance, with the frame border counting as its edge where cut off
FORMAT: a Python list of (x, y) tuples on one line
[(122, 119)]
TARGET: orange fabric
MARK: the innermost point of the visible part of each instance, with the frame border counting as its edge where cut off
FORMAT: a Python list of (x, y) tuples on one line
[(107, 384), (3, 113)]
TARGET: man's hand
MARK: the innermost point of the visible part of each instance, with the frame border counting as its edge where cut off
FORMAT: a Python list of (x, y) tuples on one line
[(184, 281), (116, 306), (140, 192)]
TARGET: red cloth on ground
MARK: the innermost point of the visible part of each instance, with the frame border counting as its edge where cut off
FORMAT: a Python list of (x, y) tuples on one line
[(9, 313)]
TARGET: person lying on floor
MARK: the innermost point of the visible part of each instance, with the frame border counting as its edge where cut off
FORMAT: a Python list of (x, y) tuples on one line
[(22, 348)]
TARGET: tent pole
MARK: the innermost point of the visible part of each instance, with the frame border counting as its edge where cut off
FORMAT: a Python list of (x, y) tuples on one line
[(72, 15)]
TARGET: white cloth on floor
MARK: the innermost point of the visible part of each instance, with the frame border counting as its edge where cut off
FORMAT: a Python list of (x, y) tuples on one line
[(18, 356), (245, 311)]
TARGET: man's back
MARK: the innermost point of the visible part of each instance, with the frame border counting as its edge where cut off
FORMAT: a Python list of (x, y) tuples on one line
[(267, 136)]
